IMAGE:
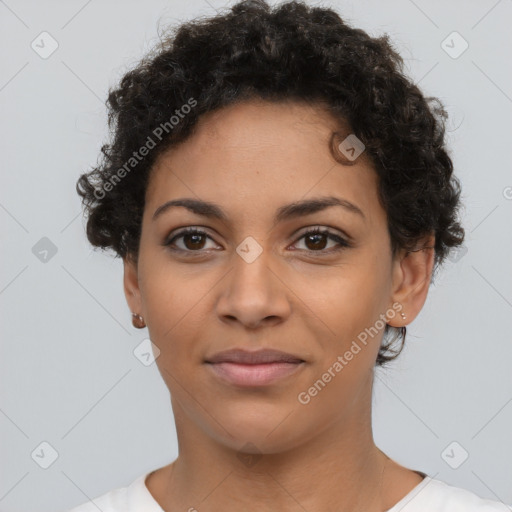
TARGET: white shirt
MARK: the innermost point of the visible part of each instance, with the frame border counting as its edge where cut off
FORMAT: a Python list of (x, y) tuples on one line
[(430, 495)]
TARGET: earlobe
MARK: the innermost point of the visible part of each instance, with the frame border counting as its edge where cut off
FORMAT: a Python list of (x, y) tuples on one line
[(411, 280)]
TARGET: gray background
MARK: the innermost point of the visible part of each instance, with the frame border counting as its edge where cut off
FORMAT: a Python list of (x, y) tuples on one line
[(69, 375)]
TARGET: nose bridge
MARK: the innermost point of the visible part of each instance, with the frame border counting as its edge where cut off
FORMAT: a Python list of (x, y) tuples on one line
[(252, 291), (252, 266)]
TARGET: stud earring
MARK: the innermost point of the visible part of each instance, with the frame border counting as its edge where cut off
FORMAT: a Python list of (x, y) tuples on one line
[(138, 321), (403, 316)]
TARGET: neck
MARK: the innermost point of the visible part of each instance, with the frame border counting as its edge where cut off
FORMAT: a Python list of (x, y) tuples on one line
[(341, 464)]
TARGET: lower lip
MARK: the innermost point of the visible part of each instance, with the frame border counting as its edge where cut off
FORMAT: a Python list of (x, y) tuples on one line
[(253, 374)]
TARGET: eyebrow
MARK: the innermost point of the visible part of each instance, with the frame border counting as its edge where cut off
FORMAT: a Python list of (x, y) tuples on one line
[(289, 211)]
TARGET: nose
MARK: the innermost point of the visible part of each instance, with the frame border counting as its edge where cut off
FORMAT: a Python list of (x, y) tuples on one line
[(254, 294)]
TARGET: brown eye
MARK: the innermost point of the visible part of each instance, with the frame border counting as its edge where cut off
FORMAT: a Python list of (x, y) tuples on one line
[(193, 240), (316, 241)]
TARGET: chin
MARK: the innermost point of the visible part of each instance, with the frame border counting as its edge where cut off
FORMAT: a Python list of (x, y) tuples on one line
[(256, 431)]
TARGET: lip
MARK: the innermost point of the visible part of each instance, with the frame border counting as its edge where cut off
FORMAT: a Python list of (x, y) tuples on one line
[(262, 356), (258, 368)]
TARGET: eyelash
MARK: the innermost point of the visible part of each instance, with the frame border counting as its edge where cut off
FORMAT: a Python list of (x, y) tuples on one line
[(343, 244)]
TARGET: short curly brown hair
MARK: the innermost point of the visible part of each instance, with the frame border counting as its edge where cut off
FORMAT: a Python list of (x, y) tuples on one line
[(287, 52)]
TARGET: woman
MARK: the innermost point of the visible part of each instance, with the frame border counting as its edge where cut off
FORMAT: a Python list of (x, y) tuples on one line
[(281, 196)]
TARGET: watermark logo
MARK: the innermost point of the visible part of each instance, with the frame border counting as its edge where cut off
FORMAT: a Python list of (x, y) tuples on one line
[(351, 147), (249, 459), (249, 249), (304, 397), (44, 45), (454, 45), (457, 253), (137, 156), (44, 455), (44, 250), (454, 455), (146, 352)]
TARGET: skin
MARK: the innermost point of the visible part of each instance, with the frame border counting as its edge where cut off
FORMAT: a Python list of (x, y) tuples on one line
[(251, 159)]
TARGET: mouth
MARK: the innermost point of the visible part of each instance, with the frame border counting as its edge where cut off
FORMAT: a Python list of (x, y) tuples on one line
[(249, 369)]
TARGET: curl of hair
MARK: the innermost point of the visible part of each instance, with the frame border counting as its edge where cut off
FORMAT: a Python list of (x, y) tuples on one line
[(291, 52)]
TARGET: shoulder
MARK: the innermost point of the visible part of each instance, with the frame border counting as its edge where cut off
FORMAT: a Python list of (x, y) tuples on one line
[(433, 494), (120, 499)]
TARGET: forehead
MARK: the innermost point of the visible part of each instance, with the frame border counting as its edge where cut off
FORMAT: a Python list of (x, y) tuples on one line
[(256, 156)]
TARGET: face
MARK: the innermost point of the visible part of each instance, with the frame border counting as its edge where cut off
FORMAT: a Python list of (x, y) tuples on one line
[(253, 278)]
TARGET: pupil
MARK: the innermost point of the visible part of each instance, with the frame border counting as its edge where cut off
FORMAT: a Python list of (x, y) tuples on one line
[(196, 239), (317, 236)]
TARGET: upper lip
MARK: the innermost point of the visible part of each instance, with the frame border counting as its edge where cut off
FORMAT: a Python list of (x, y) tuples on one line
[(261, 356)]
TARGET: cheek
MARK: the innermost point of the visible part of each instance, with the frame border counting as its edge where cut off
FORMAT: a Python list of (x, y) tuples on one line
[(171, 315), (349, 326), (344, 302), (167, 294)]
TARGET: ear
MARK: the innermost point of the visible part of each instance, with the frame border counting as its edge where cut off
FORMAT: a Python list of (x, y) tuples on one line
[(412, 272), (131, 285)]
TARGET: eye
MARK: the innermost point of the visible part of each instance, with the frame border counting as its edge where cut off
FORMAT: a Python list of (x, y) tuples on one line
[(193, 240), (316, 239)]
